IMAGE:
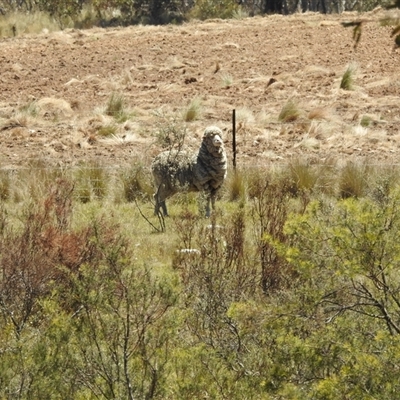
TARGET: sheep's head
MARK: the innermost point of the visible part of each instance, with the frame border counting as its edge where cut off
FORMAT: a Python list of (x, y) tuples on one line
[(212, 135)]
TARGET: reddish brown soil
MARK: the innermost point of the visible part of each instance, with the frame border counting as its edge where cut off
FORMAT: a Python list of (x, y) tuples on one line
[(69, 77)]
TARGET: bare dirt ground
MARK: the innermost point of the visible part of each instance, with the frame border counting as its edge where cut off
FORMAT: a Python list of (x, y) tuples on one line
[(253, 65)]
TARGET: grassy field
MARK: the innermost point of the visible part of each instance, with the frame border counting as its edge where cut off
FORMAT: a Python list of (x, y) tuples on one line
[(290, 290)]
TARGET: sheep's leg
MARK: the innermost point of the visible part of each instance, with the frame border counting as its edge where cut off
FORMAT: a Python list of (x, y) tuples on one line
[(210, 200), (160, 203), (164, 208), (208, 211)]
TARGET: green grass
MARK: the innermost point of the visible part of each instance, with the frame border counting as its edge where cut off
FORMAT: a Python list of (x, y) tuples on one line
[(116, 107), (107, 130), (347, 82), (290, 112), (193, 111)]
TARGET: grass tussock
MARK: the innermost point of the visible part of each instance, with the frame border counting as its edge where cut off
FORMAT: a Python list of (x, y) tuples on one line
[(137, 184), (347, 82), (116, 107), (290, 112), (353, 180), (193, 111), (107, 130), (319, 113), (236, 186), (226, 80), (92, 182)]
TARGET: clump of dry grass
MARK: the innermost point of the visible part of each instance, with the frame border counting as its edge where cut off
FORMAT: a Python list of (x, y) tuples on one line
[(137, 184), (227, 79), (54, 108), (245, 116), (92, 182), (318, 113)]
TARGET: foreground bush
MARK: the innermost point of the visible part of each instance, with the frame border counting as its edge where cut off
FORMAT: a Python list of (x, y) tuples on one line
[(287, 293)]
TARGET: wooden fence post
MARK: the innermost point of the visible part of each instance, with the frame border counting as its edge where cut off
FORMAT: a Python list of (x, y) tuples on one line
[(234, 138)]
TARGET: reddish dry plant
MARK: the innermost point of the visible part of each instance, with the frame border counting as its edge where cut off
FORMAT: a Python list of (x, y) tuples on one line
[(45, 250)]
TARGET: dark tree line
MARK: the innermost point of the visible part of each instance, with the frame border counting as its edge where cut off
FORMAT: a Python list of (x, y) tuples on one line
[(165, 11)]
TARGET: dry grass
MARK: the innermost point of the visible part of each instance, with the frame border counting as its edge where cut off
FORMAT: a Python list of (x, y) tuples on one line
[(226, 79), (329, 122)]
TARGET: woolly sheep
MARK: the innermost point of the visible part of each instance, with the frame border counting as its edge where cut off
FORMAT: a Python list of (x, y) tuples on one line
[(177, 171)]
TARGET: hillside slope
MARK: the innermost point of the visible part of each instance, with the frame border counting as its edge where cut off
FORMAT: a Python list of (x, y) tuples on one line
[(54, 88)]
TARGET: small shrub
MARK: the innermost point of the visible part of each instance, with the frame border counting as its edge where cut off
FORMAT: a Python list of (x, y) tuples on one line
[(384, 180), (366, 121), (269, 207), (170, 133)]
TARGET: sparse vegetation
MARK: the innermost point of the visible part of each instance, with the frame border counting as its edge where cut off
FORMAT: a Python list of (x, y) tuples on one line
[(107, 130), (205, 9)]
